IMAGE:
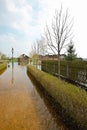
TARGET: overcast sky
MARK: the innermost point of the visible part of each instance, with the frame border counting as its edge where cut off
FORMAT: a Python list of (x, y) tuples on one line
[(23, 21)]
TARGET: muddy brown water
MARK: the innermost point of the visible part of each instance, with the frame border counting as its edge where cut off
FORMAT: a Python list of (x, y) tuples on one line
[(22, 106)]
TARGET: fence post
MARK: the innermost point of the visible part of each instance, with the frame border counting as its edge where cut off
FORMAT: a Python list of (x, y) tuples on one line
[(54, 68), (46, 66), (67, 71)]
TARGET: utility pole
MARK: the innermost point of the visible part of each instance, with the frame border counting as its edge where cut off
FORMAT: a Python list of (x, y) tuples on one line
[(12, 80), (12, 56)]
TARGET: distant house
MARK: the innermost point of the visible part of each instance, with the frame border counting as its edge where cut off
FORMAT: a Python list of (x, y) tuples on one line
[(51, 57), (23, 59)]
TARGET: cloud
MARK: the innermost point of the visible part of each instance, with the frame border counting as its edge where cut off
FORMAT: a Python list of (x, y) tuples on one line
[(16, 19), (20, 15), (7, 37), (9, 41), (16, 14), (46, 12), (6, 42)]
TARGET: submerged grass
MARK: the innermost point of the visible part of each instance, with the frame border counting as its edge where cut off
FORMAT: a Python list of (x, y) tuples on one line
[(72, 99)]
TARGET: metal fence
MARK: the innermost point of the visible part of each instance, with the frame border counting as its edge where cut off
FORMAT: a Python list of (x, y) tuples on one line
[(77, 73)]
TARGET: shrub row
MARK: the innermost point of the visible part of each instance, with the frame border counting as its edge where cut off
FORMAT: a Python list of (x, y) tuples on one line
[(71, 98), (3, 66)]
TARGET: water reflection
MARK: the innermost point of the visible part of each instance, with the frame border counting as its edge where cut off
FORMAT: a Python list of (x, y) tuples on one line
[(12, 78)]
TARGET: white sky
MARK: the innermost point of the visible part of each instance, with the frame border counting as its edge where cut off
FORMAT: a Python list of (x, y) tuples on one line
[(23, 21)]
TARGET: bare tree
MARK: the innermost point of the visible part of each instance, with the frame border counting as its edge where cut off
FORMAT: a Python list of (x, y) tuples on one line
[(42, 46), (38, 48), (34, 52), (59, 33)]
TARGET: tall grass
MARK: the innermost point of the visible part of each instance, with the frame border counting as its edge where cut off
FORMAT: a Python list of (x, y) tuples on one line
[(71, 98)]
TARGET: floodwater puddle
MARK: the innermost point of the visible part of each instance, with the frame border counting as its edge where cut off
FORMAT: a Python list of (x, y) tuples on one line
[(23, 106)]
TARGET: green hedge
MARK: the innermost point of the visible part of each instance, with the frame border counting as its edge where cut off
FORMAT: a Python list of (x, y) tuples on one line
[(3, 66), (71, 98), (75, 70)]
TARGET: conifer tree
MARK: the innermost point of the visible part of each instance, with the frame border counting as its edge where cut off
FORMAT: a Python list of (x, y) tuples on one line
[(71, 55)]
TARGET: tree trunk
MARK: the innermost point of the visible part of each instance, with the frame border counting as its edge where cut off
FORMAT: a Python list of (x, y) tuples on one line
[(59, 66)]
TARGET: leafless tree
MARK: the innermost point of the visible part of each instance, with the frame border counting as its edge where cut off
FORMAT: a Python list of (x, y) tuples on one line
[(34, 53), (42, 47), (58, 34), (38, 48)]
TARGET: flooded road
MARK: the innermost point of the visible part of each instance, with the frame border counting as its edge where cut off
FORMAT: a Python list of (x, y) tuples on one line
[(22, 104)]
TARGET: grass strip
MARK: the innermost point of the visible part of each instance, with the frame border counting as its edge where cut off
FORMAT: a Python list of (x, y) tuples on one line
[(71, 98), (3, 66)]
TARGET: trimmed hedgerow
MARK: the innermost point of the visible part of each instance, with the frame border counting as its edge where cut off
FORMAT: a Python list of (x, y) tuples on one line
[(3, 66), (71, 98)]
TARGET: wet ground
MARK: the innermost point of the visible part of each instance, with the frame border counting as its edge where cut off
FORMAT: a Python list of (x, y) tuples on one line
[(23, 106)]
